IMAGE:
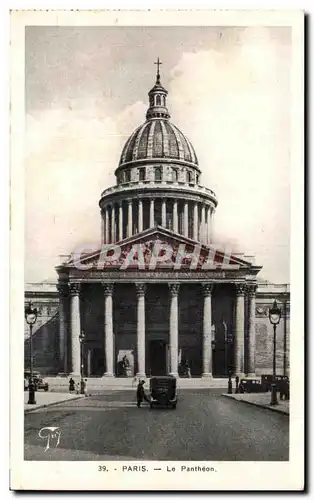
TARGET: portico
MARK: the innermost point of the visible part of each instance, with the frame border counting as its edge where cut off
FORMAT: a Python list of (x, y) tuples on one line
[(204, 317)]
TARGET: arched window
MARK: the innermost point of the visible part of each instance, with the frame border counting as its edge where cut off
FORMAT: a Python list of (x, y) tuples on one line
[(158, 174), (164, 100), (188, 177), (175, 175), (158, 100), (197, 179), (127, 176)]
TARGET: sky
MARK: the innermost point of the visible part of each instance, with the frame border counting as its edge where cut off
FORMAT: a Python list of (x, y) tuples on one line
[(229, 93)]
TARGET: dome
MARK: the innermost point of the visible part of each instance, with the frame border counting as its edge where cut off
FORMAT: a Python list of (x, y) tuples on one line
[(157, 138)]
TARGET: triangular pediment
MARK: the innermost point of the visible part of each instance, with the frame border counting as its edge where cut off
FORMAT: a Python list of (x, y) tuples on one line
[(158, 248)]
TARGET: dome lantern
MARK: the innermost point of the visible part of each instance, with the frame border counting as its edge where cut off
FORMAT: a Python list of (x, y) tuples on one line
[(157, 99)]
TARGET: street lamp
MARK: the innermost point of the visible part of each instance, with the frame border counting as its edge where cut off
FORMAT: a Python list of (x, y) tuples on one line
[(82, 337), (274, 317), (31, 316)]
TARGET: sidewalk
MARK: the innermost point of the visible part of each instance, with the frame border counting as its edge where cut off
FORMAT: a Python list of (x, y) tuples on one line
[(262, 400), (44, 399)]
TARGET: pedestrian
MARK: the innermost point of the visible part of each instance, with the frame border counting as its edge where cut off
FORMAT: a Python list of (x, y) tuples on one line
[(85, 387), (140, 393), (78, 387), (71, 385)]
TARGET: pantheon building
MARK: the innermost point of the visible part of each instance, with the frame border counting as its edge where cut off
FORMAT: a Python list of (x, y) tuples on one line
[(158, 295)]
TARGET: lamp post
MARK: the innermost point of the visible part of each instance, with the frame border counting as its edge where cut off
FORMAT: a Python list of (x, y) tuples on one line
[(274, 318), (31, 314), (81, 338)]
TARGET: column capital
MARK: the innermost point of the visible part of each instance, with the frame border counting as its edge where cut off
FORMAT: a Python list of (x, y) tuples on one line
[(207, 289), (240, 289), (74, 288), (140, 289), (108, 288), (174, 289), (251, 290), (63, 289)]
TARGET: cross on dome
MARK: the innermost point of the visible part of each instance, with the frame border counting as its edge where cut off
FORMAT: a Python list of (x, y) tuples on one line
[(158, 63)]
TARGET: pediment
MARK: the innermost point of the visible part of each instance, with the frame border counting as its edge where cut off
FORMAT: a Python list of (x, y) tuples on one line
[(159, 249)]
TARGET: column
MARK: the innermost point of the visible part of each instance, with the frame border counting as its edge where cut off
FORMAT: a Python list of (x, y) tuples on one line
[(239, 332), (186, 219), (202, 231), (175, 216), (107, 224), (140, 216), (163, 213), (120, 221), (207, 239), (130, 219), (63, 335), (140, 293), (151, 214), (102, 228), (108, 291), (207, 330), (195, 222), (75, 329), (210, 232), (113, 223), (251, 339), (174, 341), (89, 362)]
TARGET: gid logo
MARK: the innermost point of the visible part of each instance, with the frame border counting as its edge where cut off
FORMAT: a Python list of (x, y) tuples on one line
[(51, 435)]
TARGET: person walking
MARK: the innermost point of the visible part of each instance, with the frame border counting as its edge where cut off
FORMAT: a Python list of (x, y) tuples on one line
[(71, 385), (140, 393)]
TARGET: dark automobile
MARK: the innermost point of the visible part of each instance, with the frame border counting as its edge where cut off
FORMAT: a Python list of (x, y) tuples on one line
[(163, 391), (39, 382), (250, 385)]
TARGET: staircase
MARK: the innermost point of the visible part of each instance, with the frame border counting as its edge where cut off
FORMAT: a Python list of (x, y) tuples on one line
[(121, 384)]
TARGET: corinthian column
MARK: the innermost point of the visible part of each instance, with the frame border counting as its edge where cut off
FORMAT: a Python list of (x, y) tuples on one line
[(108, 291), (130, 219), (195, 222), (140, 293), (63, 335), (186, 219), (163, 213), (75, 329), (251, 342), (207, 330), (120, 221), (107, 225), (202, 231), (140, 216), (239, 355), (113, 224), (151, 214), (175, 216), (174, 341)]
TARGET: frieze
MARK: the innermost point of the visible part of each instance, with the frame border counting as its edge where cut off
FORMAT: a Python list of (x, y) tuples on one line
[(152, 275)]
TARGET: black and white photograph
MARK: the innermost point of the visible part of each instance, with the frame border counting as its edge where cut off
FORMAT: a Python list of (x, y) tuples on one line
[(154, 324)]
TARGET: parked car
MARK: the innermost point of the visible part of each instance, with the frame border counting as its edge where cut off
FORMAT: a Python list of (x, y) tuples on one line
[(250, 385), (39, 382)]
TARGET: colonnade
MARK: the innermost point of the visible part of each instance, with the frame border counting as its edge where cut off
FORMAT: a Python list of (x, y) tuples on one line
[(124, 218), (174, 289)]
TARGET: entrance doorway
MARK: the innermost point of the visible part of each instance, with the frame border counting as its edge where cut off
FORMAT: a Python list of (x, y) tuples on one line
[(158, 357)]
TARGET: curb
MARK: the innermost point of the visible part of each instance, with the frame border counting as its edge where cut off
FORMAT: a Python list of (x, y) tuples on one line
[(53, 403), (258, 405)]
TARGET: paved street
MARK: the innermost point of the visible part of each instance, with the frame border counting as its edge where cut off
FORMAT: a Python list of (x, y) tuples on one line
[(205, 426)]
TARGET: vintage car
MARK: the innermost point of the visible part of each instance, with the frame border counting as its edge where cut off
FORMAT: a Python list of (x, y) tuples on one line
[(250, 385), (163, 391), (39, 382)]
